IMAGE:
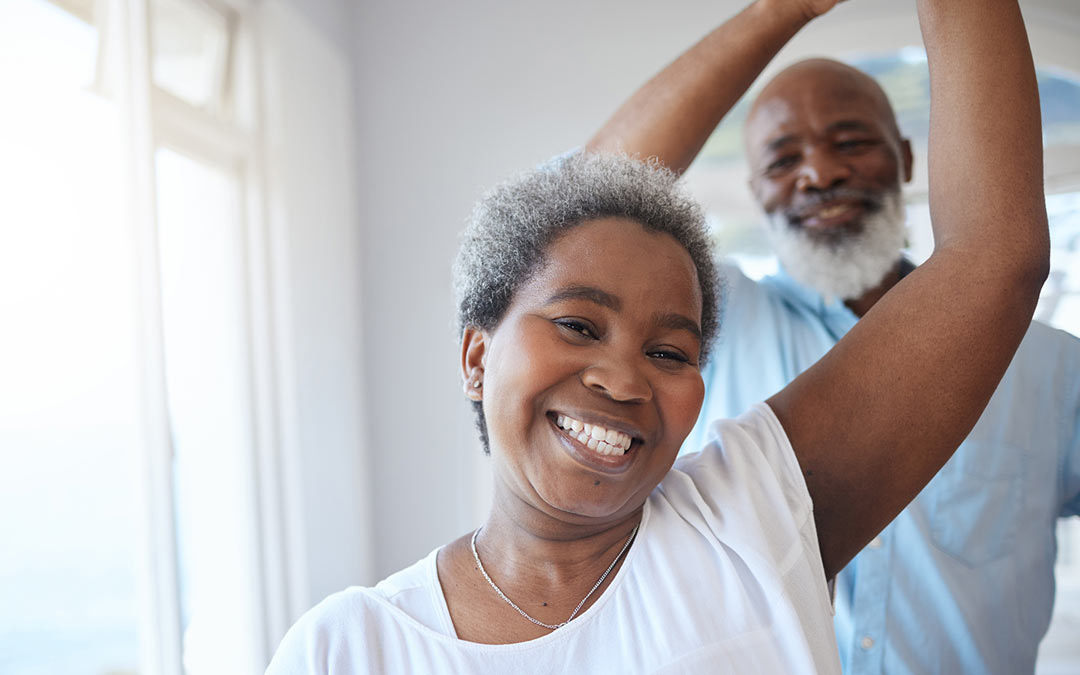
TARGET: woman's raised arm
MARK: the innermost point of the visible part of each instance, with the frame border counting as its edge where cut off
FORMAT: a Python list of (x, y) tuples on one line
[(876, 418), (672, 115)]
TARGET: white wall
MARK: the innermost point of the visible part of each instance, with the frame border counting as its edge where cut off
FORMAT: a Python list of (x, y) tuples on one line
[(450, 98)]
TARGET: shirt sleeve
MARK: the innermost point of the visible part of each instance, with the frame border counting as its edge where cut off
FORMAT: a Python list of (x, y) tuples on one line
[(300, 651), (748, 472), (319, 642)]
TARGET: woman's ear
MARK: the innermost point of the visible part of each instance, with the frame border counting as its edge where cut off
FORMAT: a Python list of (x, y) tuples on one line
[(473, 356)]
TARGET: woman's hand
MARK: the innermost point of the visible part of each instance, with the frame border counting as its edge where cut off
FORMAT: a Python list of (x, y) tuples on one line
[(810, 9)]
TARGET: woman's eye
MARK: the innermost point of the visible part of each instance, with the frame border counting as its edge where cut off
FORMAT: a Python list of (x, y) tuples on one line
[(577, 326), (669, 355)]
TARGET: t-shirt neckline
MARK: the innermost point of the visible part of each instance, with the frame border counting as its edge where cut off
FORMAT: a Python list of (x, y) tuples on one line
[(443, 610)]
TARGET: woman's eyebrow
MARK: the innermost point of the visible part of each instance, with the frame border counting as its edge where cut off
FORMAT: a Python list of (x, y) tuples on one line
[(678, 322), (589, 293)]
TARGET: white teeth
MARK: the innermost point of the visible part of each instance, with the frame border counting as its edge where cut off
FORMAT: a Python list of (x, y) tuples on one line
[(831, 211), (595, 437)]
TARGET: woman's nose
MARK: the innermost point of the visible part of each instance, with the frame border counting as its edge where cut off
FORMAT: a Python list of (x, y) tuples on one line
[(618, 379)]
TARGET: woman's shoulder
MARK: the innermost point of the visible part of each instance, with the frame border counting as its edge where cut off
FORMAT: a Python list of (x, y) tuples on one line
[(754, 438), (321, 641), (334, 636), (746, 461)]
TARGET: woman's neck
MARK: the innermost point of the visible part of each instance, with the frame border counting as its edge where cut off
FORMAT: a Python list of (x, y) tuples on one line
[(550, 551), (545, 566)]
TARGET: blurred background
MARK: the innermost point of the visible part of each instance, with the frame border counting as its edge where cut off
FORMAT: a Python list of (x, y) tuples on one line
[(228, 376)]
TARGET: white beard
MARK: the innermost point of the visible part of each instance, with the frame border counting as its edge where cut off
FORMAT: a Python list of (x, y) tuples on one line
[(849, 265)]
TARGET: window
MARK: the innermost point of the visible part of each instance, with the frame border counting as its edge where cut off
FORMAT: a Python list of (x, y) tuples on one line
[(69, 418), (130, 425)]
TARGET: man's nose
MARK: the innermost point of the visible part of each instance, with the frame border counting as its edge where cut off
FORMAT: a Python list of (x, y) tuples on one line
[(619, 378), (821, 170)]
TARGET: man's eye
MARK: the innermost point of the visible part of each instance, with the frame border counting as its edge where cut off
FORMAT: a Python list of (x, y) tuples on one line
[(854, 144), (577, 327), (781, 163)]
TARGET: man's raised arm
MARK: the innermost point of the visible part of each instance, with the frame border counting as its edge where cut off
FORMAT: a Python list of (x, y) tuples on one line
[(672, 115), (876, 418)]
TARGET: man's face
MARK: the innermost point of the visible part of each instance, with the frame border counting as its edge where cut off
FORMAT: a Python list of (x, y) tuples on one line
[(827, 164)]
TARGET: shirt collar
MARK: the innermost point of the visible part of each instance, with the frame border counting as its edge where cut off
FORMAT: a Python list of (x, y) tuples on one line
[(807, 297)]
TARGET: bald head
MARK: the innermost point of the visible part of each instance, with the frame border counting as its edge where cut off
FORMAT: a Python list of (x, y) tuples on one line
[(816, 87)]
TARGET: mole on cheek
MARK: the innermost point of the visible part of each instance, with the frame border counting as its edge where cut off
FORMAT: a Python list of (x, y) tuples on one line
[(596, 483)]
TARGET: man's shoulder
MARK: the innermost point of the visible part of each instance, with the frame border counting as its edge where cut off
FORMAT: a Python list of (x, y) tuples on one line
[(740, 289), (1041, 334), (1046, 349)]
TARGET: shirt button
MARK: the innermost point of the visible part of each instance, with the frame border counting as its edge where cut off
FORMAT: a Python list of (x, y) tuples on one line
[(875, 543), (867, 642)]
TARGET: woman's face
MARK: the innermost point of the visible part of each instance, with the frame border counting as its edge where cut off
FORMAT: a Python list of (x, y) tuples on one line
[(606, 334)]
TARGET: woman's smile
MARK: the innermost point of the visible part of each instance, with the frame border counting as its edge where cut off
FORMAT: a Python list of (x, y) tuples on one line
[(597, 446)]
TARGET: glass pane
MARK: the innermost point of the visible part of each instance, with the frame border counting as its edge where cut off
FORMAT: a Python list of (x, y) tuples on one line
[(189, 43), (43, 48), (202, 272), (70, 495), (1059, 95)]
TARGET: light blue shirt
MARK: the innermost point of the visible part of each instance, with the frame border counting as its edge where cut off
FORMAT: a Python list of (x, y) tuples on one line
[(962, 581)]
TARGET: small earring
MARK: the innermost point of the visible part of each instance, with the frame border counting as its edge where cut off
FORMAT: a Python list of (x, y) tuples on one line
[(476, 384)]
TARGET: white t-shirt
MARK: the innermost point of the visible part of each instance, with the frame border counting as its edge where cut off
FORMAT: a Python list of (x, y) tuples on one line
[(725, 576)]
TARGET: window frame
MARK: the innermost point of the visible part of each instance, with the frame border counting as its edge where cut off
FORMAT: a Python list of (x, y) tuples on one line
[(156, 118)]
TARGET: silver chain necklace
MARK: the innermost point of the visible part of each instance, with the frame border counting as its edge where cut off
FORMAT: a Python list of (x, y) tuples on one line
[(480, 565)]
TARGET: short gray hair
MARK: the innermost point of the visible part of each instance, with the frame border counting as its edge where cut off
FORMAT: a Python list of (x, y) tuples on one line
[(513, 225)]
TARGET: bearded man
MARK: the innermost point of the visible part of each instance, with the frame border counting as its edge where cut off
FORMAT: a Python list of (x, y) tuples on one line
[(962, 580)]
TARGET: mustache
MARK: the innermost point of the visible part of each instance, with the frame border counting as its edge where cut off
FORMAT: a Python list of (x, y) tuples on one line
[(872, 200)]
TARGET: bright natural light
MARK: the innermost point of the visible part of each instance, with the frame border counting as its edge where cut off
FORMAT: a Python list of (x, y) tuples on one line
[(73, 490), (69, 434)]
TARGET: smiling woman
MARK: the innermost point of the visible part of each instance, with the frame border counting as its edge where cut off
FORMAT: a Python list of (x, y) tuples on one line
[(582, 290)]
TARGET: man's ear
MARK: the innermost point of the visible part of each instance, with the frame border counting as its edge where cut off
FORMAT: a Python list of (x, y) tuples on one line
[(907, 158), (473, 357), (754, 182)]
